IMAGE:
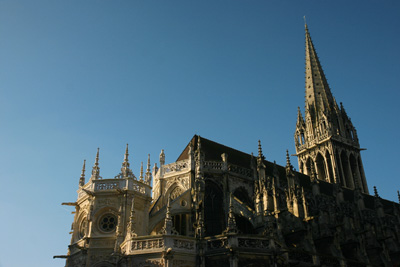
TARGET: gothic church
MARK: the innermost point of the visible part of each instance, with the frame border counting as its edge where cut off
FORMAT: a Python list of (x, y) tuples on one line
[(217, 206)]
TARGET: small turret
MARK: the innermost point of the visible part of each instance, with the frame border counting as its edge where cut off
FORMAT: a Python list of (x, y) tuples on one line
[(162, 158)]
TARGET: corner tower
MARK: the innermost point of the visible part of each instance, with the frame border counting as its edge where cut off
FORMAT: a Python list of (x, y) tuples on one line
[(325, 138)]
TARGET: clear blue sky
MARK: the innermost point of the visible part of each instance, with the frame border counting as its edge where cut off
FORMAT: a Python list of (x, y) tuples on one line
[(77, 75)]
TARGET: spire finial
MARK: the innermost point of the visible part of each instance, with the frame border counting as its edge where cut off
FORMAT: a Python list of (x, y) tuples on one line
[(168, 228), (376, 192), (305, 22), (82, 179), (287, 159), (96, 168), (126, 172), (131, 223), (141, 172), (148, 171), (232, 228), (260, 154), (126, 154)]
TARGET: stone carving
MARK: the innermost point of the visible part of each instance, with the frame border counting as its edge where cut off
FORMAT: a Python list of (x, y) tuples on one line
[(183, 244), (147, 244)]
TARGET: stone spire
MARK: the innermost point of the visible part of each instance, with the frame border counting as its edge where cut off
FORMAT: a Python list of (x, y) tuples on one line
[(125, 165), (168, 228), (232, 228), (318, 94), (82, 179), (288, 164), (260, 154), (96, 168), (141, 172), (131, 223), (376, 192), (148, 171)]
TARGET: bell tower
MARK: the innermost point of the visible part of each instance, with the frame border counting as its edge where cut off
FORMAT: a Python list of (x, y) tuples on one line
[(326, 140)]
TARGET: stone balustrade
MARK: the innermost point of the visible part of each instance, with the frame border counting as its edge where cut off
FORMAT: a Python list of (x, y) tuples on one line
[(152, 244), (182, 165), (213, 165)]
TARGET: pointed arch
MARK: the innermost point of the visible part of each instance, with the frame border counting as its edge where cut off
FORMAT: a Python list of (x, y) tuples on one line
[(301, 166), (214, 215), (309, 163), (355, 173), (346, 170), (329, 166), (339, 168), (320, 164), (361, 169)]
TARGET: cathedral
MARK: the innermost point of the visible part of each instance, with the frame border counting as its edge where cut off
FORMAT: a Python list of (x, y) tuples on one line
[(217, 206)]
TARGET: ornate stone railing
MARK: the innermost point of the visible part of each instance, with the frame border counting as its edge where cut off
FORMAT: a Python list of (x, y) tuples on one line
[(224, 242), (147, 244), (178, 166), (240, 170), (213, 165), (218, 243), (184, 244), (253, 243), (108, 184), (102, 185), (150, 244)]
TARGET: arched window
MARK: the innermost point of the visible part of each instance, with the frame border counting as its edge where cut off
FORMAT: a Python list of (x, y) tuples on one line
[(303, 140), (320, 162), (309, 163), (329, 164), (175, 193), (214, 215), (347, 172)]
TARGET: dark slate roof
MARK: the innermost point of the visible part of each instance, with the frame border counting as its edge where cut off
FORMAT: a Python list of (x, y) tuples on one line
[(213, 150)]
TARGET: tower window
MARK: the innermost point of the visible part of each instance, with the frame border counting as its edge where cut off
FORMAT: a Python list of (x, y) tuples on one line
[(108, 222), (82, 228)]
